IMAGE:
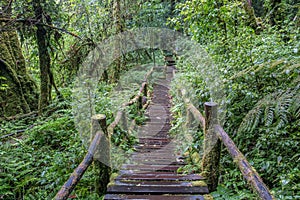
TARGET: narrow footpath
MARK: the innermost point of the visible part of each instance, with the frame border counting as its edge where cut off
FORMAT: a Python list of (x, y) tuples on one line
[(151, 172)]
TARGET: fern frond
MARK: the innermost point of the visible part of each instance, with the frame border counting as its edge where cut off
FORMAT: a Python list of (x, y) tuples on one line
[(256, 119), (251, 120), (273, 110), (269, 115)]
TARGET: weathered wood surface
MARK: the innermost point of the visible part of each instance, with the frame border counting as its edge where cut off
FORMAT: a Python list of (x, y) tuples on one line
[(211, 147), (70, 184), (151, 171), (247, 170), (142, 92), (79, 171), (102, 154), (157, 189), (153, 197), (191, 108), (163, 176)]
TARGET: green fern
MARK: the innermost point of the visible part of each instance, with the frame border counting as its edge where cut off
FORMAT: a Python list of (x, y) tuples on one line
[(274, 110)]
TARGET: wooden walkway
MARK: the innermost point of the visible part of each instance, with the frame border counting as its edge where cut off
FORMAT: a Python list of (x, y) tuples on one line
[(151, 172)]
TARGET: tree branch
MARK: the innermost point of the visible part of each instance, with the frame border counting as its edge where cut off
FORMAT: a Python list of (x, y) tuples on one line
[(32, 22)]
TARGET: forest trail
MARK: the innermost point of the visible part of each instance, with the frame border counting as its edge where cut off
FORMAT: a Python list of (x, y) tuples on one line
[(151, 172)]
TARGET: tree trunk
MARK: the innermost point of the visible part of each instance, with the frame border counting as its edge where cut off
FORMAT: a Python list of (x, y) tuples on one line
[(44, 58), (19, 92), (275, 15), (252, 22), (117, 65)]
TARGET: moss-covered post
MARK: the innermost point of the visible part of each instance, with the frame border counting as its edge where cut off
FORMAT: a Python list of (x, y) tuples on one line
[(212, 147), (124, 120), (102, 155), (146, 89), (140, 102)]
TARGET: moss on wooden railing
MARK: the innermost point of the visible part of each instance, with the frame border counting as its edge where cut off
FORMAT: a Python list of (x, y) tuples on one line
[(214, 135)]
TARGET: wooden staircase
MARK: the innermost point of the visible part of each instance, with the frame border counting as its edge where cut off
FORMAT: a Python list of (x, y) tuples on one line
[(151, 173)]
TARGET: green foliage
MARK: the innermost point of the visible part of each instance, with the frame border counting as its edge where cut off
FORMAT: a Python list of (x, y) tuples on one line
[(260, 73), (224, 193), (3, 85), (152, 13), (261, 79), (41, 159), (35, 164)]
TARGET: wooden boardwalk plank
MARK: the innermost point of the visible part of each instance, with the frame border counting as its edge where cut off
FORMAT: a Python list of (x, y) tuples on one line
[(151, 171), (152, 167), (153, 197), (158, 177), (157, 189), (155, 183)]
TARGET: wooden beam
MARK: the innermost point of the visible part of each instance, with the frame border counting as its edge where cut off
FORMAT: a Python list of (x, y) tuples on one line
[(249, 173), (192, 109), (75, 177), (211, 147), (136, 99)]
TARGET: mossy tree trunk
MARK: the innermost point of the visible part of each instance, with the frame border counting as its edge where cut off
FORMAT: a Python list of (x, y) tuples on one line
[(19, 95), (118, 25), (44, 57), (275, 15), (251, 21)]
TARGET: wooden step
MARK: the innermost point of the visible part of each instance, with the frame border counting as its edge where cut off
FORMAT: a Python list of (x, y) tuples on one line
[(160, 176), (157, 189), (156, 167), (153, 183), (153, 197)]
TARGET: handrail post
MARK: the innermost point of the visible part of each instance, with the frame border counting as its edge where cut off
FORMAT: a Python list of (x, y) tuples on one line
[(140, 102), (142, 94), (212, 147), (103, 153), (146, 89)]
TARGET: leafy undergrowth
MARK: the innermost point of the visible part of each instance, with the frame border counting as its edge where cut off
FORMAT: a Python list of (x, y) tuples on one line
[(37, 160), (36, 164), (262, 111)]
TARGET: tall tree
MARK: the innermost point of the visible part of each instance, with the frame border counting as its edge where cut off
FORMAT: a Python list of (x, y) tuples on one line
[(42, 37), (118, 27), (20, 94)]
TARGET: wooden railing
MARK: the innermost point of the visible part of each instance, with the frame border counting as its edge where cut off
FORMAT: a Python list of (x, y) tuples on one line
[(214, 135), (101, 135)]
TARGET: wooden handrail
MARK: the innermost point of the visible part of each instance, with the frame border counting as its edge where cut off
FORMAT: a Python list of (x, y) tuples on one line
[(211, 129), (191, 108), (102, 135), (138, 98), (247, 170), (70, 184)]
